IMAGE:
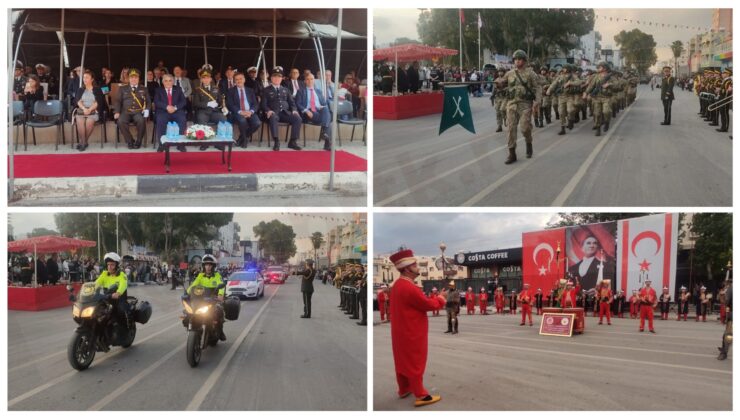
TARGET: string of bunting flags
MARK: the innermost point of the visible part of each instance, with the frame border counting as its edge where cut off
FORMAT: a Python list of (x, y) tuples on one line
[(652, 23)]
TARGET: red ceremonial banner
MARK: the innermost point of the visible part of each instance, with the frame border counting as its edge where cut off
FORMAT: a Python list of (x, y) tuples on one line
[(540, 265)]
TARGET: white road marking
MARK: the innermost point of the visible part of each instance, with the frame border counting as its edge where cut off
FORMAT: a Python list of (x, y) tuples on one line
[(581, 172), (73, 373), (213, 378)]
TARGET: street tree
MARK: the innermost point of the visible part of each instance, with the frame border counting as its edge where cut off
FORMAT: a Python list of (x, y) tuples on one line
[(577, 219), (677, 48), (713, 247), (637, 48), (276, 240), (317, 239), (41, 231)]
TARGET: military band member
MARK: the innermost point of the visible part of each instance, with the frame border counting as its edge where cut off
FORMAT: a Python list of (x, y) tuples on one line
[(453, 307), (727, 335), (279, 106), (483, 301), (568, 298), (524, 93), (132, 105), (499, 103), (382, 302), (538, 301), (725, 91), (665, 303), (634, 304), (499, 299), (435, 293), (702, 301), (600, 90), (666, 94), (619, 303), (470, 301), (648, 300), (682, 303), (605, 298), (525, 297), (362, 297)]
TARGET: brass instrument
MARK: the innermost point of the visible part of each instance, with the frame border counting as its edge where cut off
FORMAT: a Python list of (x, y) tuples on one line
[(718, 104)]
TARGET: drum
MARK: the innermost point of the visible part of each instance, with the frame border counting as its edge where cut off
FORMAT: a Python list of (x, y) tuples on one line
[(579, 321), (552, 310)]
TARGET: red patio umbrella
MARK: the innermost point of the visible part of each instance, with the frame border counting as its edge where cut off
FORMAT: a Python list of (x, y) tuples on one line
[(410, 52)]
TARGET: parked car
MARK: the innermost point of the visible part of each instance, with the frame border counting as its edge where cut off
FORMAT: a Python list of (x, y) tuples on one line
[(245, 284), (275, 274)]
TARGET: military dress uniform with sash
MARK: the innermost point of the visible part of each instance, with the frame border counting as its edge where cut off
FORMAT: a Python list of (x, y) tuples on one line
[(205, 114), (725, 91), (666, 95), (131, 104)]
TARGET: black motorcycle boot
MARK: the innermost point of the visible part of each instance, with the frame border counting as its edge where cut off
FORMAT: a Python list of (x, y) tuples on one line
[(293, 145), (276, 147), (562, 130), (512, 157), (529, 150)]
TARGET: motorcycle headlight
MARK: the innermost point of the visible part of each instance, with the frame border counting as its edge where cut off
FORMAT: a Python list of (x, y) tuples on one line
[(202, 310), (188, 309), (88, 312), (76, 311)]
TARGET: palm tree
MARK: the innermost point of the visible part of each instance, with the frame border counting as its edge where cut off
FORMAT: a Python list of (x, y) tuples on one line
[(677, 48), (317, 239)]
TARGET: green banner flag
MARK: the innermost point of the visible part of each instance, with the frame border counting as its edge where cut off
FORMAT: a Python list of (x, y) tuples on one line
[(456, 109)]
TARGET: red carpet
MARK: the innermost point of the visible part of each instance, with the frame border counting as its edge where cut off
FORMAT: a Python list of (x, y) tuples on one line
[(189, 163)]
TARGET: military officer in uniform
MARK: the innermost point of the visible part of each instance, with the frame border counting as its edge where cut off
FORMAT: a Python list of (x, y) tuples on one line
[(453, 307), (19, 80), (208, 102), (308, 274), (600, 92), (362, 297), (524, 93), (132, 105), (279, 106), (666, 94)]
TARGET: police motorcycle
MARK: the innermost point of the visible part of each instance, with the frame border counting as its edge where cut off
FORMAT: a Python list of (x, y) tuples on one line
[(201, 317), (98, 326)]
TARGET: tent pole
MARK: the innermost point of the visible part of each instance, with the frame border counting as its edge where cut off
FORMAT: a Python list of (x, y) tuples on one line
[(274, 38), (205, 50), (395, 82), (221, 64), (300, 44), (323, 65), (107, 47), (82, 62), (259, 56), (336, 102), (146, 59), (185, 60), (11, 76), (61, 60), (35, 267)]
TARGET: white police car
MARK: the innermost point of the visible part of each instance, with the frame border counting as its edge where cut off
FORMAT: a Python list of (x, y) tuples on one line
[(245, 284)]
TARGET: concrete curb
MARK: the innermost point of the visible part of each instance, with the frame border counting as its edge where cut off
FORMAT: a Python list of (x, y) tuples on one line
[(121, 186)]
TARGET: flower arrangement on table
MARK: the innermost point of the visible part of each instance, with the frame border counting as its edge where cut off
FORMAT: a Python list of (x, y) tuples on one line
[(200, 132)]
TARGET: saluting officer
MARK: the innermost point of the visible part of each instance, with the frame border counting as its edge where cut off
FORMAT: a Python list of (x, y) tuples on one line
[(279, 106), (308, 275), (132, 105)]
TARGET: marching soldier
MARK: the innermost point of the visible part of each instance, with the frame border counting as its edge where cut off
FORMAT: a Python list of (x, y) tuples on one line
[(132, 105), (577, 90), (724, 93), (483, 301), (564, 88), (665, 303), (470, 301), (605, 297), (526, 299), (727, 335), (600, 92), (633, 81), (499, 93), (453, 307), (546, 103), (524, 93), (666, 94), (682, 306), (279, 106), (648, 300)]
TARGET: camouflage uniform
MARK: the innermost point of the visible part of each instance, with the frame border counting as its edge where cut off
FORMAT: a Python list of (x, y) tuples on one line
[(523, 92), (500, 100), (566, 99), (601, 97)]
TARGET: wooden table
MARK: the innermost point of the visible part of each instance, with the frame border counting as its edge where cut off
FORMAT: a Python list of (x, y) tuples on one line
[(167, 142)]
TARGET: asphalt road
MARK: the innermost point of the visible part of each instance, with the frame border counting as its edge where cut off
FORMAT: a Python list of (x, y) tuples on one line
[(637, 162), (494, 364), (272, 360)]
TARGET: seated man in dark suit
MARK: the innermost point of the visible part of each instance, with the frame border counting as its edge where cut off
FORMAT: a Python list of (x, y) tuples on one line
[(312, 106), (292, 83), (170, 105), (227, 82), (279, 106), (242, 104)]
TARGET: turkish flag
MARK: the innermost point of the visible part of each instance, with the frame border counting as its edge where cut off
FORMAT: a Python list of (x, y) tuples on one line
[(647, 250), (540, 266)]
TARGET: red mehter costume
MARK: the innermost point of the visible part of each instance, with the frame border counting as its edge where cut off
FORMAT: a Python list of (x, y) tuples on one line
[(525, 297), (483, 302), (648, 298)]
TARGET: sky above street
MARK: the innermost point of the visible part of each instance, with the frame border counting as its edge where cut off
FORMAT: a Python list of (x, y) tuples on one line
[(389, 24), (422, 232), (304, 224)]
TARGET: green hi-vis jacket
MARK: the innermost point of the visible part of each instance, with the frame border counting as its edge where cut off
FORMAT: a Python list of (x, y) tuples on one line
[(208, 282), (106, 280)]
